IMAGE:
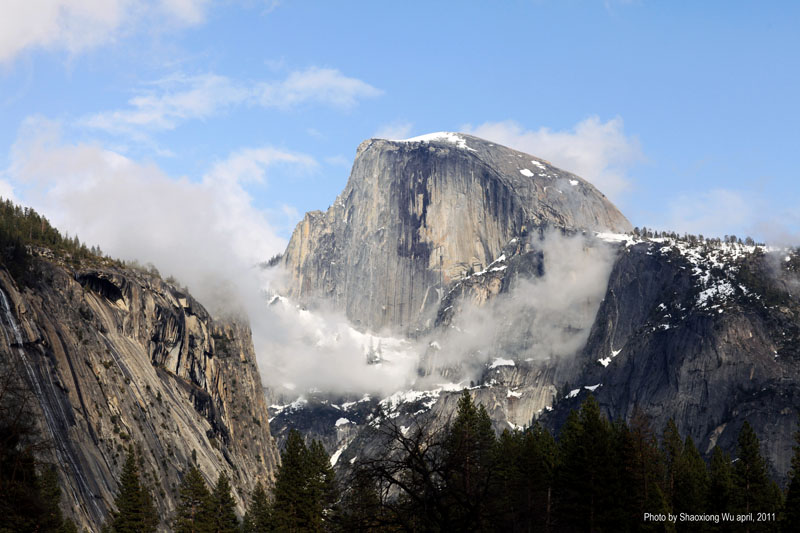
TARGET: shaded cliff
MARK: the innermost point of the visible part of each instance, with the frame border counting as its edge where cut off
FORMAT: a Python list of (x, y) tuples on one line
[(417, 214), (445, 238), (116, 356), (708, 336), (705, 333)]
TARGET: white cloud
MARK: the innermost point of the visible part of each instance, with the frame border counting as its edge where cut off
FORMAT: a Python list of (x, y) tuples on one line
[(207, 233), (189, 11), (721, 212), (78, 25), (339, 161), (7, 191), (315, 85), (713, 213), (165, 103), (395, 131), (173, 100), (597, 151)]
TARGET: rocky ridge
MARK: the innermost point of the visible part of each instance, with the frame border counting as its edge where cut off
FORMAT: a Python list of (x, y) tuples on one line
[(707, 333), (116, 356), (417, 214)]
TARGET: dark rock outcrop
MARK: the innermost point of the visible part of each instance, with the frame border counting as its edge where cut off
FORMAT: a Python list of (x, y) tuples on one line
[(116, 356), (685, 332), (427, 230)]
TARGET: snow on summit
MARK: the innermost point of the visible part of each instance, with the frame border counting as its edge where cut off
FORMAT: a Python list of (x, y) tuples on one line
[(440, 136)]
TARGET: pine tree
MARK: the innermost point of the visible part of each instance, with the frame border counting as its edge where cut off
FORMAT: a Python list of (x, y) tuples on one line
[(291, 495), (258, 518), (720, 473), (193, 513), (29, 490), (305, 488), (508, 495), (223, 507), (539, 464), (627, 479), (672, 444), (586, 469), (753, 491), (321, 485), (691, 481), (643, 465), (361, 508), (51, 518), (135, 510), (469, 448), (791, 514)]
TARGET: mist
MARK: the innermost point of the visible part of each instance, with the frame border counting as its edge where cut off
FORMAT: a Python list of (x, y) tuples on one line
[(320, 351), (209, 235), (537, 319)]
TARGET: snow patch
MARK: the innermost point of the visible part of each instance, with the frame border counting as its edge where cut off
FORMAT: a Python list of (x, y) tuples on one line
[(342, 422), (527, 173), (441, 136), (501, 362), (573, 182), (336, 454), (629, 240)]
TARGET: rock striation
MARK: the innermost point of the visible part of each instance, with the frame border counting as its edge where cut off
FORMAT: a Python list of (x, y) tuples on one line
[(708, 337), (416, 215), (449, 239), (702, 333), (116, 356)]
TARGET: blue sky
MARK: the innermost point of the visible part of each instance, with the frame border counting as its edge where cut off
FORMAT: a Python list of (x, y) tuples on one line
[(157, 129)]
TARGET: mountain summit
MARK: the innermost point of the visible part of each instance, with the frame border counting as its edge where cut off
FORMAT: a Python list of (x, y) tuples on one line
[(419, 213)]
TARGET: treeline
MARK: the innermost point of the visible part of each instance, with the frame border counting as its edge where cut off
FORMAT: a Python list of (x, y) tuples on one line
[(598, 476), (303, 499), (649, 233), (21, 227)]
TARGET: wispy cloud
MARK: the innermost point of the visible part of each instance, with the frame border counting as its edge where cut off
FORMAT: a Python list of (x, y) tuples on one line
[(713, 213), (719, 212), (170, 101), (78, 25), (598, 151), (394, 131), (314, 85), (205, 231), (339, 161), (163, 104)]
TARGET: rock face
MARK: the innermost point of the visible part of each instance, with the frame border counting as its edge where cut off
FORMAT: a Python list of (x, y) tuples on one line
[(116, 356), (445, 238), (705, 334), (416, 215), (708, 337)]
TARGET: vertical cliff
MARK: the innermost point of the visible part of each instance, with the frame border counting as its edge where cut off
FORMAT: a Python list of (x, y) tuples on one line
[(708, 336), (116, 356), (417, 214)]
